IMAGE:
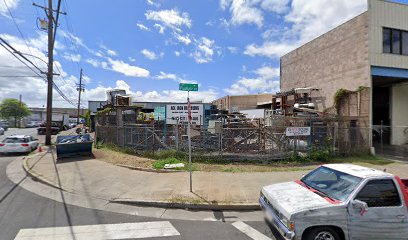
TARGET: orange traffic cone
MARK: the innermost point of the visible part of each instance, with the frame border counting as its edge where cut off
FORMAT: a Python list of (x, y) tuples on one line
[(39, 149)]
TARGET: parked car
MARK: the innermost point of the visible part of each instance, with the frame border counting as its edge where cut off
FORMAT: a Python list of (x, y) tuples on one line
[(339, 201), (1, 131), (18, 144), (56, 127), (4, 125), (32, 124)]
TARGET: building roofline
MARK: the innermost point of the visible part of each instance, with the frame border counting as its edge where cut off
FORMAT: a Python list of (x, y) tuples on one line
[(396, 3), (316, 38), (244, 95)]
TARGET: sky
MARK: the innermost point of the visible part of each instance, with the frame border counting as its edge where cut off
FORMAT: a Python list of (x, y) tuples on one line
[(148, 47)]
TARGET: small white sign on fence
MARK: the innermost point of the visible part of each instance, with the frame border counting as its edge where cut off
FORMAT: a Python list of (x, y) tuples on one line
[(297, 131)]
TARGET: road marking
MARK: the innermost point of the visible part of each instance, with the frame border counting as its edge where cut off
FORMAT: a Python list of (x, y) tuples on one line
[(249, 231), (103, 231)]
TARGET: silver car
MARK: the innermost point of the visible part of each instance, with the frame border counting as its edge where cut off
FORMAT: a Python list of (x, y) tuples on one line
[(1, 131), (18, 144)]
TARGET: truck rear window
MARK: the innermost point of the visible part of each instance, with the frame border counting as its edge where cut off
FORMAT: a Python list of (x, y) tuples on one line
[(380, 193)]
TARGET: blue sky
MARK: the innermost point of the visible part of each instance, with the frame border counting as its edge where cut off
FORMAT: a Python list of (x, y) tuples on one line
[(148, 47)]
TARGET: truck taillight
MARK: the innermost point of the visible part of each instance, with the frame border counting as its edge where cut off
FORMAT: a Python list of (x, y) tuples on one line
[(2, 144), (25, 144)]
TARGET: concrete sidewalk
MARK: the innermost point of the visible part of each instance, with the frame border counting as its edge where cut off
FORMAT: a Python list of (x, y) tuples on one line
[(98, 179)]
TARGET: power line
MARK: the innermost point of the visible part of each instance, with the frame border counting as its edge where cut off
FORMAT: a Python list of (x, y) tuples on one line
[(15, 53), (13, 76), (20, 59), (70, 29), (18, 53), (18, 28)]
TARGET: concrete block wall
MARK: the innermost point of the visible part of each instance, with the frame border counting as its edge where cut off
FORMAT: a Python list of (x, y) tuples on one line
[(337, 59)]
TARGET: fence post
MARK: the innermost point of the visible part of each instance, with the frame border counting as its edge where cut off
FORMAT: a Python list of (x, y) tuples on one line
[(153, 136), (221, 133), (177, 135)]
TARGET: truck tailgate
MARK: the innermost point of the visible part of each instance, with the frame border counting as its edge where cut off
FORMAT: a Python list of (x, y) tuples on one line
[(405, 182)]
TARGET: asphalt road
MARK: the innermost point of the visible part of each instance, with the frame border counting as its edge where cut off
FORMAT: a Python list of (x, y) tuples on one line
[(21, 209)]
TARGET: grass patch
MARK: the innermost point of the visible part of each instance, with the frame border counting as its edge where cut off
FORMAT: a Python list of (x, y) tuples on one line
[(375, 160), (201, 162), (159, 164)]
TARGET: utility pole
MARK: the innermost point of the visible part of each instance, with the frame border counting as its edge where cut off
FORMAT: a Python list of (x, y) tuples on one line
[(51, 40), (48, 125), (80, 88)]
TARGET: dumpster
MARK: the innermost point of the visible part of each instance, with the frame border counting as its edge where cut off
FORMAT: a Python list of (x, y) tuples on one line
[(74, 145)]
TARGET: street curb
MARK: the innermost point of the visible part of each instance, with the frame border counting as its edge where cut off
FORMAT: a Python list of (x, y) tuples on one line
[(37, 176), (192, 206), (142, 203), (148, 169)]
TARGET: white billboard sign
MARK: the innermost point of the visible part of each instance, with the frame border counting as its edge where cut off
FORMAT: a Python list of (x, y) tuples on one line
[(179, 113), (297, 131)]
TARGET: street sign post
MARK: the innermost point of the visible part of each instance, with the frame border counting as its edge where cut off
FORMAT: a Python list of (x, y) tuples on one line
[(189, 87)]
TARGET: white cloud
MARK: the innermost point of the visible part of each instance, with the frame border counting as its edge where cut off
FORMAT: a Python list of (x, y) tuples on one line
[(177, 53), (86, 79), (244, 12), (108, 51), (132, 59), (72, 57), (99, 93), (225, 3), (308, 19), (265, 79), (159, 27), (177, 96), (74, 39), (149, 54), (11, 4), (232, 50), (97, 63), (119, 66), (183, 39), (153, 3), (270, 49), (142, 27), (33, 89), (128, 70), (204, 50), (276, 6), (172, 76), (170, 18)]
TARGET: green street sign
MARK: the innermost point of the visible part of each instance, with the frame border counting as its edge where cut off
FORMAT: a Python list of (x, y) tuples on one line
[(188, 87)]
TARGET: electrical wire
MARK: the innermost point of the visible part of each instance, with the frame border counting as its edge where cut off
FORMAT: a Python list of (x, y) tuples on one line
[(18, 28), (15, 53)]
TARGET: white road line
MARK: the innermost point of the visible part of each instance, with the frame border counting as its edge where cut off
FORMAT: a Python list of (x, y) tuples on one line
[(98, 232), (249, 231)]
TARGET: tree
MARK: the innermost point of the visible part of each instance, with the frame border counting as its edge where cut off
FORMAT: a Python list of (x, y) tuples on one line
[(11, 108)]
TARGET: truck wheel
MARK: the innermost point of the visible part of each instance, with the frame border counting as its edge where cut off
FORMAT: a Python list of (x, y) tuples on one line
[(322, 233)]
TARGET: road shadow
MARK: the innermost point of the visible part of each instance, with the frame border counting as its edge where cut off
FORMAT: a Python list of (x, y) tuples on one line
[(76, 158), (218, 214)]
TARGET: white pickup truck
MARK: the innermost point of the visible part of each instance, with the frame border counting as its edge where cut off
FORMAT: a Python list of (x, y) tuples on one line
[(339, 202)]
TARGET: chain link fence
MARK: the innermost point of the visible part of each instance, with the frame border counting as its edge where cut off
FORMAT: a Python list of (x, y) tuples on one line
[(250, 139)]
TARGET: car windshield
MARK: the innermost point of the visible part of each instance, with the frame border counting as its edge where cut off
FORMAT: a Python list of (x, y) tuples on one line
[(15, 140), (332, 183)]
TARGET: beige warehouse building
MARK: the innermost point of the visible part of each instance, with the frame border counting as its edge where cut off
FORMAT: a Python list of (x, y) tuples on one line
[(368, 53)]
